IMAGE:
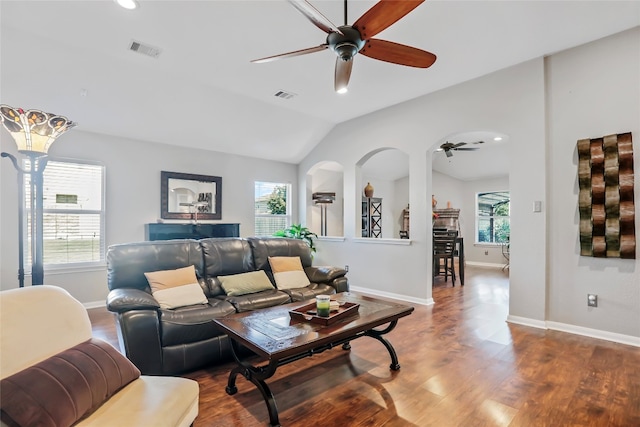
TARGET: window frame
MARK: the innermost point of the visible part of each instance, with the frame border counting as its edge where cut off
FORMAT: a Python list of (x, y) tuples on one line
[(67, 266), (288, 215), (479, 217)]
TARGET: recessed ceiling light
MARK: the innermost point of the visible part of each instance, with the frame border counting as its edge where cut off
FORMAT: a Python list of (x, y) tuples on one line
[(128, 4), (497, 138)]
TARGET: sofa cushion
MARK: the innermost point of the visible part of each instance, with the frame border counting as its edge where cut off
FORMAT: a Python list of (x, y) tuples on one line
[(127, 262), (192, 323), (265, 247), (66, 387), (176, 288), (288, 272), (258, 300), (310, 292), (149, 401), (245, 283)]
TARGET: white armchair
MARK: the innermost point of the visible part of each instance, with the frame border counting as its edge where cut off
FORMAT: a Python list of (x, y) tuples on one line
[(46, 326)]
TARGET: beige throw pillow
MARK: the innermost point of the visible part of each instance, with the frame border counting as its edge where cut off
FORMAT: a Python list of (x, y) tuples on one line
[(245, 283), (288, 272), (176, 288)]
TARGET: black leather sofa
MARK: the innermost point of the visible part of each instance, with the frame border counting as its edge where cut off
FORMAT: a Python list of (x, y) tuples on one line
[(170, 341)]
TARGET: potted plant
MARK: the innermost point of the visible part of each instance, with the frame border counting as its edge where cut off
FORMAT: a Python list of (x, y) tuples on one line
[(297, 231)]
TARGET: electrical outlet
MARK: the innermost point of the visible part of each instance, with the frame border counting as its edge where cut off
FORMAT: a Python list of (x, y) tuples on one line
[(592, 300), (346, 268)]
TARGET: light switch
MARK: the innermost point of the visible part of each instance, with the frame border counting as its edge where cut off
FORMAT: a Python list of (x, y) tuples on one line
[(537, 206)]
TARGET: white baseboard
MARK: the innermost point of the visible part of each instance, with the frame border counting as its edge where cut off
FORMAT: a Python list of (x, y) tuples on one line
[(484, 264), (525, 321), (576, 330), (594, 333), (94, 304), (374, 292)]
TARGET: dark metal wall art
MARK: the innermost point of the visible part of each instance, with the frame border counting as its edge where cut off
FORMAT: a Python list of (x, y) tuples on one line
[(607, 213)]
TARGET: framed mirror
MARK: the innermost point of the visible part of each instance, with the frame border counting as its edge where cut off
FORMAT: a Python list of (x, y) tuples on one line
[(190, 196)]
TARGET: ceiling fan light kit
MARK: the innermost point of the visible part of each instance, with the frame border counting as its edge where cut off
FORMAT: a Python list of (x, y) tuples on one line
[(349, 40)]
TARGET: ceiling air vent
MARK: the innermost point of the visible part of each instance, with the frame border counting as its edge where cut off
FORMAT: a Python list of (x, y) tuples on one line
[(284, 95), (145, 49)]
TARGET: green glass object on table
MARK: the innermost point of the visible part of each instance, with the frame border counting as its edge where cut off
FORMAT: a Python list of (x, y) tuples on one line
[(323, 305)]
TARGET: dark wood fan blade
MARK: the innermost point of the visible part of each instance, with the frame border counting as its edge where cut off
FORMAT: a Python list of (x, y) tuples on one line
[(342, 74), (398, 53), (314, 15), (459, 144), (290, 54), (382, 15), (465, 149)]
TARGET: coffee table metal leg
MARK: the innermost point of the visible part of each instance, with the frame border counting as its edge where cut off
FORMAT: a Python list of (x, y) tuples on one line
[(392, 352), (256, 375)]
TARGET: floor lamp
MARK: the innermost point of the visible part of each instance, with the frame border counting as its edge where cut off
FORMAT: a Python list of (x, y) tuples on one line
[(323, 199), (33, 131)]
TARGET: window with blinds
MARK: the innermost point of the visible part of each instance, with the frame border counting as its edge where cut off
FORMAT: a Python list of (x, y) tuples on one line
[(272, 207), (73, 215)]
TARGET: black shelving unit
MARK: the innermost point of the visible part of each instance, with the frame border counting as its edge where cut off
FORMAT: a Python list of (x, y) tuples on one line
[(372, 217)]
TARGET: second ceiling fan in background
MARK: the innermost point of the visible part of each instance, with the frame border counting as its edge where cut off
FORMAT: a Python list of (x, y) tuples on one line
[(448, 147), (348, 40)]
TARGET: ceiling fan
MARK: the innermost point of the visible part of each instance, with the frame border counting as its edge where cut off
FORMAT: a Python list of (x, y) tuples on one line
[(348, 40), (448, 147)]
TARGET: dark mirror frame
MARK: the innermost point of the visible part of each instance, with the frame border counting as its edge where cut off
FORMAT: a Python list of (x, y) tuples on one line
[(164, 195)]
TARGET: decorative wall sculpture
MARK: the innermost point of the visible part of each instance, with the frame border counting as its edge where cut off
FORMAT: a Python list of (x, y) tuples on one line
[(607, 213)]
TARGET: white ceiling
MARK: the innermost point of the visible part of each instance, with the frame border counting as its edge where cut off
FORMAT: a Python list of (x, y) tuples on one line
[(203, 92)]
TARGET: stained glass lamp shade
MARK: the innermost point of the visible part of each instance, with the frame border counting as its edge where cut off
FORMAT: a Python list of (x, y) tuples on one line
[(33, 130)]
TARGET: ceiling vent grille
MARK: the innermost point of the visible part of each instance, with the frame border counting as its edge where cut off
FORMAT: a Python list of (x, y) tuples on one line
[(144, 49), (284, 95)]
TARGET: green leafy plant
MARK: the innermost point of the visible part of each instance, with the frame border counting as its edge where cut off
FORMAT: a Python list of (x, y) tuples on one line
[(297, 231)]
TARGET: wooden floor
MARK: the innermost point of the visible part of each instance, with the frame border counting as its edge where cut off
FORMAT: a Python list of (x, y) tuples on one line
[(462, 365)]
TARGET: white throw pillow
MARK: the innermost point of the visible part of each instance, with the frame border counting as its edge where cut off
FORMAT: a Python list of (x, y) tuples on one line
[(288, 272), (176, 288)]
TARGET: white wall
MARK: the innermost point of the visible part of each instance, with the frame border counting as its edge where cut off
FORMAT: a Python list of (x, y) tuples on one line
[(133, 195), (510, 101), (592, 91), (544, 106)]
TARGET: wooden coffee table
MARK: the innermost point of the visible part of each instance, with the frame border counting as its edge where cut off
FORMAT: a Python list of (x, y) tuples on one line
[(279, 339)]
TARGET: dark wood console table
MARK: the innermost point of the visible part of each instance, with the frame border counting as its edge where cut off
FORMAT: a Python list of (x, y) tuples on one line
[(165, 231)]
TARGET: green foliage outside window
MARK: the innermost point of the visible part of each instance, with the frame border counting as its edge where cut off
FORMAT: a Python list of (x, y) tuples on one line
[(277, 202)]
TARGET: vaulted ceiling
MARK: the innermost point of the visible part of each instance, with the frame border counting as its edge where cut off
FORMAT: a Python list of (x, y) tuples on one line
[(73, 58)]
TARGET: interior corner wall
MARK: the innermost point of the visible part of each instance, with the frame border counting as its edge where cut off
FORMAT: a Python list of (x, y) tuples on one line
[(593, 91), (133, 195), (510, 101)]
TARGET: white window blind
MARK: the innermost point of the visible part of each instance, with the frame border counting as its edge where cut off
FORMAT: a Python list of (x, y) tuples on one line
[(73, 215), (272, 207)]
